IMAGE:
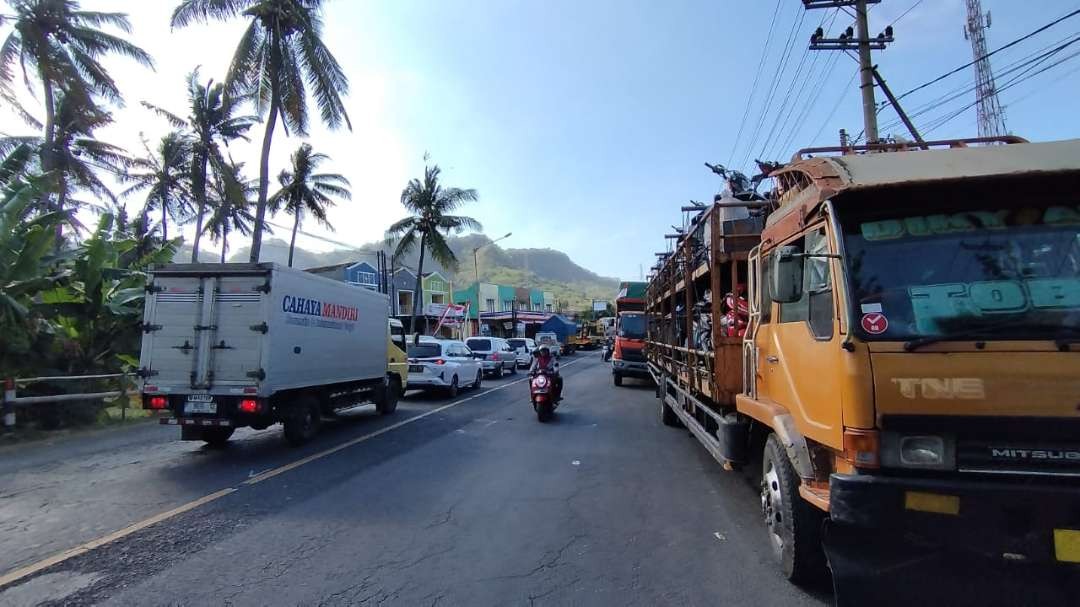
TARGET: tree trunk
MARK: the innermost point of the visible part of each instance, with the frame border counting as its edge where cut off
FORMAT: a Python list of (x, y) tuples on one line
[(164, 222), (199, 181), (264, 160), (416, 292), (295, 227), (224, 241), (46, 152)]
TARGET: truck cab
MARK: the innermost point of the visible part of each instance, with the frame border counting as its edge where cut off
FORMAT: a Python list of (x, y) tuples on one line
[(628, 348)]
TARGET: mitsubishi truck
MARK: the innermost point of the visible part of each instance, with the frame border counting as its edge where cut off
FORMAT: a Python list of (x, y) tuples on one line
[(907, 390), (227, 346), (628, 356)]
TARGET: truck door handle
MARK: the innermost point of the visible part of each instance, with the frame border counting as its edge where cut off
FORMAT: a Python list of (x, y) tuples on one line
[(772, 359)]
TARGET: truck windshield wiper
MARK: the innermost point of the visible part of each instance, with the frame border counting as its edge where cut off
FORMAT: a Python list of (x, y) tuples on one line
[(1063, 336)]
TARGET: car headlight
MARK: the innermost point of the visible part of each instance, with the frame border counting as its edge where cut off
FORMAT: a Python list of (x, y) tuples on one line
[(925, 451)]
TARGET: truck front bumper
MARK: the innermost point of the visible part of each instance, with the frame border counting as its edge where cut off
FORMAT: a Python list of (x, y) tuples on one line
[(1025, 522), (630, 369)]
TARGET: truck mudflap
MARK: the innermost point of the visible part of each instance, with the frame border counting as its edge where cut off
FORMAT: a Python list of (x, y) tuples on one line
[(908, 541)]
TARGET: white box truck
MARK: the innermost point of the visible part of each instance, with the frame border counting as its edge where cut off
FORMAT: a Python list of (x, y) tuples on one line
[(233, 345)]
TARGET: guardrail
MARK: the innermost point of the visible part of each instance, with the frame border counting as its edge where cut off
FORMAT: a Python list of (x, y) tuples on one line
[(12, 400)]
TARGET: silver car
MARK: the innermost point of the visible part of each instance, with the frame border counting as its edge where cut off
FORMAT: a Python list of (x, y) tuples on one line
[(524, 347), (494, 354)]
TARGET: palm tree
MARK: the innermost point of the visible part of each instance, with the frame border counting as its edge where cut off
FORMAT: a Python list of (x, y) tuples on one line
[(279, 58), (430, 204), (63, 46), (212, 119), (304, 190), (164, 176), (231, 206)]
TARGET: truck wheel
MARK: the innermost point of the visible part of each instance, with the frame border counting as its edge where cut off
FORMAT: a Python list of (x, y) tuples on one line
[(794, 526), (617, 379), (388, 400), (452, 391), (217, 437), (303, 421)]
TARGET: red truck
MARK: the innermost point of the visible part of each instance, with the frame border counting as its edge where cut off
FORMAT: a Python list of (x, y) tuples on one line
[(628, 357)]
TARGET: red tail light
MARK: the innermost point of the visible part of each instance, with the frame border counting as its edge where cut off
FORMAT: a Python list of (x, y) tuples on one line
[(249, 405), (439, 361), (493, 356), (159, 402)]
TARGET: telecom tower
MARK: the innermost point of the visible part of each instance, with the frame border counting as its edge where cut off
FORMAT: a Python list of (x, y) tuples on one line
[(991, 116)]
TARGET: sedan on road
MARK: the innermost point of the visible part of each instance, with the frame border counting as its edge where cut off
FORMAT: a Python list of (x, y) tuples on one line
[(444, 365), (495, 354)]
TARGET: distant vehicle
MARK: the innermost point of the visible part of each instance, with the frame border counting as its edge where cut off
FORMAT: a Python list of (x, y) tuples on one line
[(550, 340), (564, 329), (524, 347), (227, 346), (443, 364), (628, 349), (494, 353)]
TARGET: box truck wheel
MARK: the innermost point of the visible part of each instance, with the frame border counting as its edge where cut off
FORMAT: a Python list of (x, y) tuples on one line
[(618, 379), (388, 395), (217, 437), (793, 525), (303, 420)]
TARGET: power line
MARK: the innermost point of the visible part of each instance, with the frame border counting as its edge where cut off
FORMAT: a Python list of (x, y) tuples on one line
[(990, 54), (757, 77), (905, 13), (813, 89), (836, 107), (777, 76)]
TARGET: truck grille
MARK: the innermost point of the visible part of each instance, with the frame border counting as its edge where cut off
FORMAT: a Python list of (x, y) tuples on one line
[(1003, 445), (633, 356)]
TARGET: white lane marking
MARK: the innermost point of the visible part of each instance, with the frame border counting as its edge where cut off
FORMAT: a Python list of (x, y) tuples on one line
[(60, 557), (576, 463), (719, 536)]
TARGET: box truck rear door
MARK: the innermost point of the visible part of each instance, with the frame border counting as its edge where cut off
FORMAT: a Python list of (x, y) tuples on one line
[(235, 344), (170, 342)]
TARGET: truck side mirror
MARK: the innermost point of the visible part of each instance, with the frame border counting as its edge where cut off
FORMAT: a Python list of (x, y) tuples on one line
[(786, 275)]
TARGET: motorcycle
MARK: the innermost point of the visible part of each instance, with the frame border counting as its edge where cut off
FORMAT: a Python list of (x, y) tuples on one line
[(542, 395)]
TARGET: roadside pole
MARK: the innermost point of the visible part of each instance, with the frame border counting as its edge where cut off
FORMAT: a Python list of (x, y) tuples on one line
[(9, 404)]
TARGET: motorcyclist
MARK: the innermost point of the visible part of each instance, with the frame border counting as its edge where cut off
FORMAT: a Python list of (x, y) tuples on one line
[(545, 362)]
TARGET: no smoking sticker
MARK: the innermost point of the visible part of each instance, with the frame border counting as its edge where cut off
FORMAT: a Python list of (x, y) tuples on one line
[(875, 323)]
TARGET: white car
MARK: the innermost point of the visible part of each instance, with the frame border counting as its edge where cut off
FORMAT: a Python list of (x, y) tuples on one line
[(523, 347), (443, 364), (551, 340)]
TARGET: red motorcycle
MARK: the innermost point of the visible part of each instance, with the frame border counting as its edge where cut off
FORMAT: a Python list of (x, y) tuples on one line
[(544, 394)]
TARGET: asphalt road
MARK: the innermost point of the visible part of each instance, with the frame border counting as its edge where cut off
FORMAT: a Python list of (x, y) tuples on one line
[(472, 502)]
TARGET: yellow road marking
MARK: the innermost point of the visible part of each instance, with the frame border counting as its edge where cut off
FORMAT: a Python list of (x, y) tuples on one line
[(18, 574)]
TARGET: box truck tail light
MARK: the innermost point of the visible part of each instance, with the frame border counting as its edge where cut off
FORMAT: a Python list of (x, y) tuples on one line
[(159, 402), (249, 405), (861, 447)]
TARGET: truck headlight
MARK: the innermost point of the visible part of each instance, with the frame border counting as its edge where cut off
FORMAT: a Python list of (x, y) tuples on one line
[(926, 451)]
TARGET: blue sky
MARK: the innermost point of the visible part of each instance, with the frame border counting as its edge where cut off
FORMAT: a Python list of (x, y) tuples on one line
[(584, 125)]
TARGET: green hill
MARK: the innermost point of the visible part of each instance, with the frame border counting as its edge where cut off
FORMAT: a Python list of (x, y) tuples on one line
[(545, 269)]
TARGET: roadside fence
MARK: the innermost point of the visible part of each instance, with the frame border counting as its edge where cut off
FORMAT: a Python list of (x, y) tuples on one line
[(12, 401)]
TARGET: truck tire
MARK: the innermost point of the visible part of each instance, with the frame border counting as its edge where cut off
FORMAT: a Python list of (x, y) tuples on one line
[(217, 437), (303, 421), (452, 391), (388, 399), (618, 379), (792, 524)]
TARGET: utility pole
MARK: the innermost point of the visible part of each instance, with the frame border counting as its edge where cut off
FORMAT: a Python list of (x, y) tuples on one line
[(859, 40), (991, 115)]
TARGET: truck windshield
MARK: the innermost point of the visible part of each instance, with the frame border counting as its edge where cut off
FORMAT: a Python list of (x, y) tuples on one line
[(632, 326), (970, 270)]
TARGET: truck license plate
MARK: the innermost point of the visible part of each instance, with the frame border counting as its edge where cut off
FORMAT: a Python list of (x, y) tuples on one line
[(200, 403)]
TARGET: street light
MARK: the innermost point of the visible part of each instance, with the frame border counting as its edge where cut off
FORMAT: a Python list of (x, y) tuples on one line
[(476, 271)]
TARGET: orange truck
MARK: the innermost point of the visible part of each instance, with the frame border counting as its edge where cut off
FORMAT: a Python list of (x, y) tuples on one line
[(628, 355), (906, 389)]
